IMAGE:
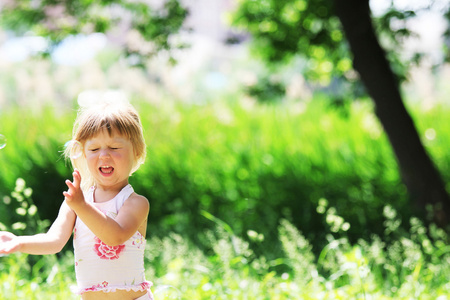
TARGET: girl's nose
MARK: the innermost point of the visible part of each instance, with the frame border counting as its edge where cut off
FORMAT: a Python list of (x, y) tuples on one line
[(104, 153)]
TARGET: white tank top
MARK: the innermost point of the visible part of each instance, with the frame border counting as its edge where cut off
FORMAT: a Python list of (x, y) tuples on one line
[(99, 267)]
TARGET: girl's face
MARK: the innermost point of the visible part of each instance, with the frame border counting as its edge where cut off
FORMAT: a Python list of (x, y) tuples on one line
[(109, 159)]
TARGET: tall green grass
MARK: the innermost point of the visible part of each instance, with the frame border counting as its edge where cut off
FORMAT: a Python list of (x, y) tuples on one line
[(400, 264), (250, 165)]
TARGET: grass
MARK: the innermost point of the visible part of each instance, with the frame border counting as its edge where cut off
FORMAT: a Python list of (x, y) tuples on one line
[(249, 177), (410, 267), (240, 163), (412, 264)]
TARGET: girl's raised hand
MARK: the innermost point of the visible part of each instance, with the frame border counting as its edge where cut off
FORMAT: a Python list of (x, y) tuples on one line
[(8, 243), (74, 196)]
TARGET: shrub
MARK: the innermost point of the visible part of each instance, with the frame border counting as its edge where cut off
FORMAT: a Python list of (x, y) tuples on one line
[(250, 167)]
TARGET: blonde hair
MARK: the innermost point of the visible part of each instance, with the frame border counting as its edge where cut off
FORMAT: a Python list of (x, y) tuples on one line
[(112, 116)]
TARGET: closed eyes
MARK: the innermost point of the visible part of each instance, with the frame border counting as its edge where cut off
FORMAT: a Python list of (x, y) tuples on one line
[(112, 148)]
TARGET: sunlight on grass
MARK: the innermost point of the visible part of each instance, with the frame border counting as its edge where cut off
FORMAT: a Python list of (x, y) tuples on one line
[(412, 264), (238, 190)]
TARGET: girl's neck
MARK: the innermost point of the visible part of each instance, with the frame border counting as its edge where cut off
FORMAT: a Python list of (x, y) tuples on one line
[(103, 194)]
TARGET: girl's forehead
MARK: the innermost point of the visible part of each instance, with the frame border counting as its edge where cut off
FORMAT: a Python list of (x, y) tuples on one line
[(105, 135)]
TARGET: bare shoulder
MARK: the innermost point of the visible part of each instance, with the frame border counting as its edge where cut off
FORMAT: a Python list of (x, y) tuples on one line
[(138, 201)]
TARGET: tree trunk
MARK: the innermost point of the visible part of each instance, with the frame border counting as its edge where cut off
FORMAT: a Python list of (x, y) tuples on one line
[(419, 174)]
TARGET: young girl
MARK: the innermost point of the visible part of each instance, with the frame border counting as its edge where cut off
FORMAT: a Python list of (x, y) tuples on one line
[(108, 219)]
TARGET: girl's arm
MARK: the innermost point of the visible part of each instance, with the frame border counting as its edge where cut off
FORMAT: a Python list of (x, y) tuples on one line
[(111, 231), (45, 243)]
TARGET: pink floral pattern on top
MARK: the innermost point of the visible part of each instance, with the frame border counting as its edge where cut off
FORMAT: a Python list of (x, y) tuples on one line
[(107, 252), (97, 287), (139, 241)]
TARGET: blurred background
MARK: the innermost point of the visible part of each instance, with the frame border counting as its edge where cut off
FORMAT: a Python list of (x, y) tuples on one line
[(254, 118)]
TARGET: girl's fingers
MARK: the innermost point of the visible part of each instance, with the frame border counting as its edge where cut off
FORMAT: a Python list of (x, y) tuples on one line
[(6, 236), (69, 194), (69, 184), (74, 191), (76, 178)]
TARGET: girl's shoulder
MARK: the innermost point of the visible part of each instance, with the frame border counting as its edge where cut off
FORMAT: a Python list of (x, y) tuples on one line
[(138, 201)]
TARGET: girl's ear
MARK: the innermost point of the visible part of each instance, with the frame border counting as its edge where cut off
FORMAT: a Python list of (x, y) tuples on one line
[(137, 162)]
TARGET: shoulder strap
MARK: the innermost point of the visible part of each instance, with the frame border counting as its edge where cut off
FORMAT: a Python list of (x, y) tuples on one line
[(89, 194), (123, 195)]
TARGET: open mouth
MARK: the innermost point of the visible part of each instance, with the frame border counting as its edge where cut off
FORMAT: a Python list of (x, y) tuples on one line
[(106, 169)]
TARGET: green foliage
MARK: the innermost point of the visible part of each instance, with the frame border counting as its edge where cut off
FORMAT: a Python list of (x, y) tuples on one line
[(248, 167), (447, 34), (393, 31), (284, 29), (25, 220), (34, 153), (23, 275), (406, 264), (267, 90), (152, 26)]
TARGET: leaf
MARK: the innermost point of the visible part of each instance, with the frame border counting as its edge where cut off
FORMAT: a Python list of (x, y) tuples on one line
[(219, 222)]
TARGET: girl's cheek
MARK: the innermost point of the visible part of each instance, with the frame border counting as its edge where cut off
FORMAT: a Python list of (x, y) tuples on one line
[(90, 156), (90, 159)]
